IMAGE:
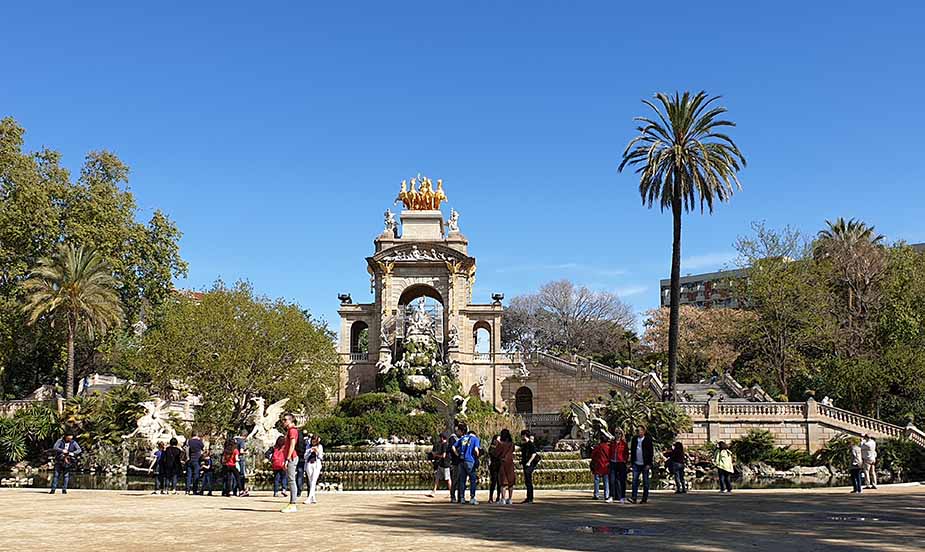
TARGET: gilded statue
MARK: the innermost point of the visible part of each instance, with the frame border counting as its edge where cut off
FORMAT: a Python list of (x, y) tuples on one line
[(420, 194)]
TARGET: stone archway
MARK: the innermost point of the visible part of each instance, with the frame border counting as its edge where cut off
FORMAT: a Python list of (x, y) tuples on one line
[(359, 338), (523, 400)]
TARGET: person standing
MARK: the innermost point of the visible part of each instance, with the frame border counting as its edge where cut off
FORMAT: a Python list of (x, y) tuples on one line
[(441, 462), (529, 458), (869, 456), (494, 469), (857, 465), (724, 466), (66, 452), (314, 455), (619, 457), (507, 476), (676, 460), (206, 472), (600, 468), (292, 461), (241, 443), (278, 463), (193, 453), (230, 472), (155, 467), (642, 453), (171, 466), (468, 449), (304, 438), (456, 494)]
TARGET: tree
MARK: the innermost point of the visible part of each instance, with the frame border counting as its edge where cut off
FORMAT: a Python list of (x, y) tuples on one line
[(230, 346), (75, 285), (709, 339), (563, 317), (682, 158)]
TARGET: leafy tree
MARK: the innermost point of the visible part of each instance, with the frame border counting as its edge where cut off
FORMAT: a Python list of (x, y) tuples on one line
[(230, 346), (683, 157), (663, 420), (76, 286)]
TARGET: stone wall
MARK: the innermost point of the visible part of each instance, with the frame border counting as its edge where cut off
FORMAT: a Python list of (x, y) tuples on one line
[(553, 389)]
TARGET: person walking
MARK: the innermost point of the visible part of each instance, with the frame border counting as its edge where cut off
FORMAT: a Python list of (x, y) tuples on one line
[(314, 455), (66, 451), (724, 467), (494, 469), (468, 449), (869, 456), (600, 468), (440, 457), (642, 454), (619, 458), (529, 459), (155, 467), (292, 462), (230, 473), (194, 449), (676, 460), (507, 475), (278, 464), (171, 466), (857, 465), (206, 472)]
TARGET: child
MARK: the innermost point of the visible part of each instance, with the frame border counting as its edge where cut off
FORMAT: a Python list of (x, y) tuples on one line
[(205, 471), (230, 473), (724, 465), (155, 466), (676, 460), (600, 467), (278, 462)]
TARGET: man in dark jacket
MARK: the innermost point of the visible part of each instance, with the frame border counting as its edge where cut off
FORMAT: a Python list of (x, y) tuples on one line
[(66, 452), (642, 453)]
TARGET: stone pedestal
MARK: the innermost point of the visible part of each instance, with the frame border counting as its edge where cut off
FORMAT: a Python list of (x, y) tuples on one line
[(421, 225)]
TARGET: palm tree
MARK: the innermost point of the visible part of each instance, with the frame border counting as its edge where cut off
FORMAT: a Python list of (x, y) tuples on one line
[(76, 285), (683, 157), (843, 235)]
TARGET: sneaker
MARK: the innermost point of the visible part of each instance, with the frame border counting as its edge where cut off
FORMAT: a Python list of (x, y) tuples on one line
[(431, 495), (289, 509), (609, 500), (473, 501), (308, 501), (51, 491), (63, 491), (622, 501)]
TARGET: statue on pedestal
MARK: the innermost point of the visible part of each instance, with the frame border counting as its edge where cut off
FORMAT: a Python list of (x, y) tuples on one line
[(453, 223), (153, 425), (265, 420), (390, 224)]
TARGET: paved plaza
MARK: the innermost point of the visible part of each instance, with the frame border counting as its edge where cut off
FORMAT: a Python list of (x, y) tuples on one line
[(829, 519)]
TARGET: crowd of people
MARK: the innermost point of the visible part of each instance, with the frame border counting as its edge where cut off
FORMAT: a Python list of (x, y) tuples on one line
[(297, 457)]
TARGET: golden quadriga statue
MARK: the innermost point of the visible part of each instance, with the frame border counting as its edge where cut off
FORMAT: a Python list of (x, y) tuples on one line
[(423, 199)]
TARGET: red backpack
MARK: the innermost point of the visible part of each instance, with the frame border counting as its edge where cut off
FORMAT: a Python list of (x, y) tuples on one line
[(279, 458)]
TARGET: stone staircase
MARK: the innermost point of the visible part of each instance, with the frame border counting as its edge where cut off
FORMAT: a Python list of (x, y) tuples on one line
[(625, 378)]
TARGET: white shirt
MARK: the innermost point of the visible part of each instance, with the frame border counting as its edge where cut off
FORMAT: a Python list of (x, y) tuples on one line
[(640, 457), (869, 450)]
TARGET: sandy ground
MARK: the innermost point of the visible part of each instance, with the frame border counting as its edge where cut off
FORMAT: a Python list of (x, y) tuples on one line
[(890, 518)]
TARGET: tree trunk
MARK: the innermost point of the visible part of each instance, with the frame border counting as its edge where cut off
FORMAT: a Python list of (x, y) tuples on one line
[(71, 330), (674, 312)]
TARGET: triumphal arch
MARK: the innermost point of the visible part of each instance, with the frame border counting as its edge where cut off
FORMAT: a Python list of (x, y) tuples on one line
[(422, 276)]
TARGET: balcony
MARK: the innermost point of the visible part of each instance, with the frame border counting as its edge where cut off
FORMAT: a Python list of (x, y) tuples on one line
[(359, 357)]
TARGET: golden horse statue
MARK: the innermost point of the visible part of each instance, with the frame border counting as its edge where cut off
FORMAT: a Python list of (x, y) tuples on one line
[(423, 199)]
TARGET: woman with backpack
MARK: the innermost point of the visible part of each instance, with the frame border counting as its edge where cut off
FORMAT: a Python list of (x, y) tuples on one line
[(278, 463)]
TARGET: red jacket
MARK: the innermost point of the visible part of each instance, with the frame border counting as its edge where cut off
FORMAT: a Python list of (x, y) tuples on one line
[(619, 451), (600, 459)]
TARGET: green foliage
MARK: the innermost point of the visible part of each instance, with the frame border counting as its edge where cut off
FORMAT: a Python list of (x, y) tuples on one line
[(230, 346), (755, 446), (27, 432), (41, 206), (836, 452), (343, 430), (100, 420), (784, 458), (903, 458), (372, 402), (663, 420)]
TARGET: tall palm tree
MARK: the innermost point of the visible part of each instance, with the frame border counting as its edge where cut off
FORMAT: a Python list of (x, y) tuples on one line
[(75, 285), (682, 157), (844, 235)]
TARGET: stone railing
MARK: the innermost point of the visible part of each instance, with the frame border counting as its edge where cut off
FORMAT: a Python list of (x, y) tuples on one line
[(549, 420), (624, 377), (616, 378), (359, 357), (860, 421), (9, 408), (556, 362), (763, 410)]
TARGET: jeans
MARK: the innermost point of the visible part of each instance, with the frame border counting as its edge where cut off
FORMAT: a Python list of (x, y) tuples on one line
[(725, 480), (158, 482), (241, 476), (618, 480), (312, 472), (644, 471), (605, 479), (528, 481), (230, 480), (61, 470), (300, 477), (279, 481), (680, 484), (856, 479), (292, 467), (206, 479), (466, 473), (192, 476), (171, 481)]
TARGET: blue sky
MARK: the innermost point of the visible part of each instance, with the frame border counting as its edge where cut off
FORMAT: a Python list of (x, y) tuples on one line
[(275, 135)]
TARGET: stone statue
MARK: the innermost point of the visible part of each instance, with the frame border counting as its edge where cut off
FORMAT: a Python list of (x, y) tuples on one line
[(520, 371), (420, 321), (265, 420), (383, 335), (423, 199), (384, 365), (153, 425), (389, 222), (453, 223), (461, 404), (585, 421), (481, 387), (453, 336)]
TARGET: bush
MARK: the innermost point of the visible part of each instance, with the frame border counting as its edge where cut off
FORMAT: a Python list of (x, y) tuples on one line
[(785, 458), (663, 420), (371, 402), (837, 452), (756, 446), (344, 430), (28, 432), (903, 458)]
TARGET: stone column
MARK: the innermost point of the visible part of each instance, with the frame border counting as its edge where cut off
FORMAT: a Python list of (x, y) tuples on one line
[(811, 414), (712, 414)]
